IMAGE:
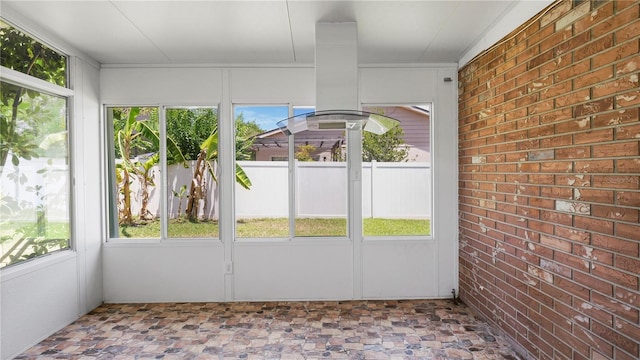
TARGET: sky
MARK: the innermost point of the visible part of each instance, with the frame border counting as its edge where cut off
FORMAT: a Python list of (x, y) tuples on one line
[(266, 116)]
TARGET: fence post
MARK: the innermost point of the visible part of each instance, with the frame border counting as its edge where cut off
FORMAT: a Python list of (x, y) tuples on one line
[(374, 166)]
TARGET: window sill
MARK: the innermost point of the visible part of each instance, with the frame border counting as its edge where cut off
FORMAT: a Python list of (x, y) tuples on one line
[(36, 264), (114, 243)]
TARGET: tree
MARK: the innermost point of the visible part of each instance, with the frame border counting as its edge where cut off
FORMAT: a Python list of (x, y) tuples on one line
[(32, 125), (388, 147), (304, 152), (245, 133), (189, 128), (133, 133), (22, 53), (205, 164)]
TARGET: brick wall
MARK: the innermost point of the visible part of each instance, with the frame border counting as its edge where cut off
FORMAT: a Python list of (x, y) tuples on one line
[(549, 182)]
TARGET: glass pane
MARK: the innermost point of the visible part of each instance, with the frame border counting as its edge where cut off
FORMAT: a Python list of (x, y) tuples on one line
[(321, 181), (135, 170), (262, 179), (20, 52), (396, 174), (192, 141), (34, 174)]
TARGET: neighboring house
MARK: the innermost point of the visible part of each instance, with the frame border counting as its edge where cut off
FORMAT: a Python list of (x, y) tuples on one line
[(273, 145)]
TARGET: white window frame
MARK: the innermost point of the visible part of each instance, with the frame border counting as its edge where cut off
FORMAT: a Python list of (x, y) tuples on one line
[(110, 161), (20, 79), (432, 218)]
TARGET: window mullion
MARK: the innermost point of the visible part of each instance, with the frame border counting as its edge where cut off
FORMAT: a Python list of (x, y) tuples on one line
[(162, 127), (292, 181)]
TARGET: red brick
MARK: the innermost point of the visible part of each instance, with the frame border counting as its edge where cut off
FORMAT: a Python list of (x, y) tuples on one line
[(574, 262), (573, 125), (556, 166), (594, 77), (615, 86), (622, 116), (557, 343), (616, 276), (619, 354), (573, 98), (557, 116), (628, 198), (615, 244), (602, 13), (560, 244), (631, 265), (593, 282), (596, 195), (619, 340), (628, 132), (593, 107), (616, 181), (573, 234), (629, 32), (628, 99), (575, 152), (615, 213), (556, 217), (628, 231), (567, 129), (593, 224), (618, 149), (618, 21), (593, 166), (593, 47), (593, 136), (615, 54), (569, 72), (628, 165), (577, 180), (556, 141)]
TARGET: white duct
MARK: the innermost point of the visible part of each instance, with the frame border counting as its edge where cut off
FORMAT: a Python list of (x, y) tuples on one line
[(337, 101)]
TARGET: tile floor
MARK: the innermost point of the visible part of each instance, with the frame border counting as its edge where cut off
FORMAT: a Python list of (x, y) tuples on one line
[(408, 329)]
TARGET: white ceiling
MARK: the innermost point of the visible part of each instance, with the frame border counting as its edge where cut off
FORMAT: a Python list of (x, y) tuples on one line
[(261, 32)]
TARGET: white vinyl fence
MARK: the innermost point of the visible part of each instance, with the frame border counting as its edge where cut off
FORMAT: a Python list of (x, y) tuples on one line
[(38, 184), (390, 190)]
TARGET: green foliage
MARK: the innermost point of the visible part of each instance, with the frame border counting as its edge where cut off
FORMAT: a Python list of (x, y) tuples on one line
[(388, 147), (32, 124), (304, 152), (20, 52), (189, 128), (136, 131), (245, 133)]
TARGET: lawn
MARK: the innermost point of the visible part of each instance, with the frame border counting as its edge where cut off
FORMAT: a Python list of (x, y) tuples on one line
[(278, 227)]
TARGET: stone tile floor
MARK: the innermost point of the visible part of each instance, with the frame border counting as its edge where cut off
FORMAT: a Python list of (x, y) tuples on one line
[(407, 329)]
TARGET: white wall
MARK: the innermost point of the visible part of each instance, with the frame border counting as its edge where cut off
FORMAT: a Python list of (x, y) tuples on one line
[(267, 269), (43, 295)]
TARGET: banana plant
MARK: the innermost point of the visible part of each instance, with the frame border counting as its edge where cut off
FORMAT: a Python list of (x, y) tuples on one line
[(133, 133), (205, 162)]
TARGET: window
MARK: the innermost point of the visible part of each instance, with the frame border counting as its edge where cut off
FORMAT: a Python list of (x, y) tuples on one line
[(192, 172), (22, 53), (34, 151), (262, 203), (303, 197), (396, 174), (182, 140)]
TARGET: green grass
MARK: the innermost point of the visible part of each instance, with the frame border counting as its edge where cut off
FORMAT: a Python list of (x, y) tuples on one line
[(21, 241), (278, 227)]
